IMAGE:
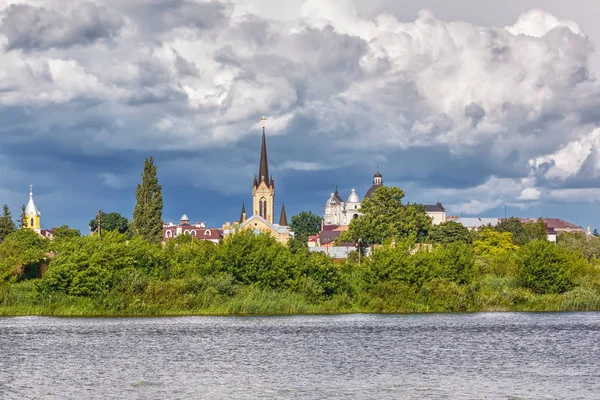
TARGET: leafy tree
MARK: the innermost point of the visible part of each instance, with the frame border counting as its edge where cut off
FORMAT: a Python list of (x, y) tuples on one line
[(66, 232), (490, 242), (23, 219), (595, 232), (111, 222), (449, 232), (384, 217), (21, 254), (548, 268), (7, 225), (579, 241), (147, 214), (516, 228), (536, 230), (305, 224)]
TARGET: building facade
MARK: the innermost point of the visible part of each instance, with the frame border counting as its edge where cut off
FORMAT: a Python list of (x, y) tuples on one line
[(339, 212), (197, 231)]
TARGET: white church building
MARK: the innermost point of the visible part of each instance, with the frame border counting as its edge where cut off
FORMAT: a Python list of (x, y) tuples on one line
[(339, 212)]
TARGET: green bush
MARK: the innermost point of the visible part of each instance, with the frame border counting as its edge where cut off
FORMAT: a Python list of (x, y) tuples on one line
[(548, 268)]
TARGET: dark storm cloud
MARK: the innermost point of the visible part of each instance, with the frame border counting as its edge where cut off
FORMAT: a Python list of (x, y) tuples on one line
[(28, 27)]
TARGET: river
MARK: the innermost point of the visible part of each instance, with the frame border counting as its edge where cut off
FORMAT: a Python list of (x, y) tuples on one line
[(426, 356)]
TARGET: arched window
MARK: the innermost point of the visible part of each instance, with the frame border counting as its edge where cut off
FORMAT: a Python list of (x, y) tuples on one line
[(169, 234), (194, 233), (262, 211), (207, 233), (31, 223), (355, 216)]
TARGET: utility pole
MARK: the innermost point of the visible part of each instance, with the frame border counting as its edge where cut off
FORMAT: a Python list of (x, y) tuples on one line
[(99, 218)]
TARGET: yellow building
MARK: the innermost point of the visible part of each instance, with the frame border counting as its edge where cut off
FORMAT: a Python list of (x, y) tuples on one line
[(263, 204), (32, 214)]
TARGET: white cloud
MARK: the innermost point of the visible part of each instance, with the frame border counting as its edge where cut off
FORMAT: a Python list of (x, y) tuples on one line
[(529, 194), (537, 23)]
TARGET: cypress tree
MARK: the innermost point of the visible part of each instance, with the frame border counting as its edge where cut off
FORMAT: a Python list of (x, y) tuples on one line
[(147, 214), (23, 219), (7, 226)]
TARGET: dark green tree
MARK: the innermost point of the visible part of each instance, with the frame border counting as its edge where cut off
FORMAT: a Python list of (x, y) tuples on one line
[(111, 222), (449, 232), (7, 225), (516, 228), (23, 219), (548, 268), (147, 214), (66, 232), (385, 217), (305, 224), (595, 232)]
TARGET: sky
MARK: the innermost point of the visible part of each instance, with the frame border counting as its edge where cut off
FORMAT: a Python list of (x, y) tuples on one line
[(480, 105)]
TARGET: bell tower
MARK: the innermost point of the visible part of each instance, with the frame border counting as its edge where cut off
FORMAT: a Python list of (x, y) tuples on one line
[(32, 214), (263, 187)]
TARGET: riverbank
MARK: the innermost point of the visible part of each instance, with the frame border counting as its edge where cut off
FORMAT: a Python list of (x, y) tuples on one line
[(255, 275), (22, 300)]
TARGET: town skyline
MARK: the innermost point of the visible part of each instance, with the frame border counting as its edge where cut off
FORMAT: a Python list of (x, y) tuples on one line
[(475, 109)]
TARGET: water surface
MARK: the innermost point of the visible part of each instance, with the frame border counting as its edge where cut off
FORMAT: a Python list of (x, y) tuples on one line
[(475, 356)]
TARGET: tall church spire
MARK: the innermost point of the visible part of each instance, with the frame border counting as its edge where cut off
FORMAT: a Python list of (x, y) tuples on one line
[(263, 171), (243, 214), (32, 214), (283, 217)]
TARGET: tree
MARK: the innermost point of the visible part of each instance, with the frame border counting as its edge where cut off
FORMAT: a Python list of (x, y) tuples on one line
[(23, 219), (450, 232), (548, 268), (305, 224), (536, 230), (147, 214), (66, 232), (595, 232), (7, 226), (385, 217), (579, 241), (111, 222), (515, 227), (491, 243)]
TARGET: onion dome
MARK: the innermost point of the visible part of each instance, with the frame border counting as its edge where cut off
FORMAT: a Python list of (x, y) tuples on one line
[(353, 198)]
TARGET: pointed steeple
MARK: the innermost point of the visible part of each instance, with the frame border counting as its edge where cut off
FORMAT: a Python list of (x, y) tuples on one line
[(243, 214), (283, 218), (31, 210), (263, 171)]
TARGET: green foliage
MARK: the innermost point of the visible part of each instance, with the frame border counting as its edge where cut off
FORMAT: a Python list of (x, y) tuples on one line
[(110, 222), (66, 232), (21, 254), (516, 229), (579, 241), (548, 268), (147, 214), (384, 217), (254, 274), (23, 218), (305, 224), (7, 226), (449, 232), (490, 242), (536, 230)]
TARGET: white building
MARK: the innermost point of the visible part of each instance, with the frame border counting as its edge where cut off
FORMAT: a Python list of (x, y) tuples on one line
[(339, 212)]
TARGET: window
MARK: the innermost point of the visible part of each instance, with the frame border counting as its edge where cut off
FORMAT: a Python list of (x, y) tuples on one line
[(169, 234), (207, 233), (194, 233), (263, 208), (31, 223)]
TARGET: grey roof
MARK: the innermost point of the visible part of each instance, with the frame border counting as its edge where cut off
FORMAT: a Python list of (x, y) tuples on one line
[(435, 207), (371, 190)]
